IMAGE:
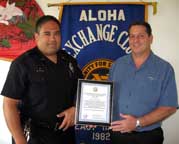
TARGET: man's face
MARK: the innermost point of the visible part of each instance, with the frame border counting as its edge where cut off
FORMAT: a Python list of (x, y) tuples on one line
[(48, 38), (139, 40)]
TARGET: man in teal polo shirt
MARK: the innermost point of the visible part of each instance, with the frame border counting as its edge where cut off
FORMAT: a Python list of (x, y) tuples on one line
[(144, 91)]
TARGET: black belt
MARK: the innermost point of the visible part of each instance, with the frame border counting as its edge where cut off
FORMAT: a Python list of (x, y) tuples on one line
[(139, 132), (47, 125), (153, 130)]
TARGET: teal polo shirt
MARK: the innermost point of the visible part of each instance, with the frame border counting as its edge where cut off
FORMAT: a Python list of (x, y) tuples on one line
[(137, 92)]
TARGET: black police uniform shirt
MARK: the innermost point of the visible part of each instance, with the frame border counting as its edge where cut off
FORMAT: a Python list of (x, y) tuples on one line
[(44, 88)]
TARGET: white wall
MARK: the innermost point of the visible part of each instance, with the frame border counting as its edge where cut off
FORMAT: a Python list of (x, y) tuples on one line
[(165, 30), (5, 136)]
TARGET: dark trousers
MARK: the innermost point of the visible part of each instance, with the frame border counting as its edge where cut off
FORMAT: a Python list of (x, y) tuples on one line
[(49, 136), (149, 137)]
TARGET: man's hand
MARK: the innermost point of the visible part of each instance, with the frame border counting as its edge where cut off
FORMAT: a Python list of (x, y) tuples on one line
[(69, 118), (126, 125)]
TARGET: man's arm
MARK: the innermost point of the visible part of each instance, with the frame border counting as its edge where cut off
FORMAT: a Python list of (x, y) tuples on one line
[(157, 115), (128, 123), (12, 117)]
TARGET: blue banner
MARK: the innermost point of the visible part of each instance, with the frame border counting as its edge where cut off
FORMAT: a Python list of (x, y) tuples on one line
[(96, 35)]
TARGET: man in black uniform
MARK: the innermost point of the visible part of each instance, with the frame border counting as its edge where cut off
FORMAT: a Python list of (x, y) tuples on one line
[(41, 87)]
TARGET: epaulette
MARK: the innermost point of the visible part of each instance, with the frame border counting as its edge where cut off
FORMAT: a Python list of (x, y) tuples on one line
[(66, 57)]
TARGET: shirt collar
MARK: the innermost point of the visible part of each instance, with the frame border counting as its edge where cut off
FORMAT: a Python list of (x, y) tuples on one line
[(44, 58), (148, 60)]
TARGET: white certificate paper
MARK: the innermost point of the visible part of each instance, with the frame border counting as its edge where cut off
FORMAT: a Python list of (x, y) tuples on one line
[(94, 102)]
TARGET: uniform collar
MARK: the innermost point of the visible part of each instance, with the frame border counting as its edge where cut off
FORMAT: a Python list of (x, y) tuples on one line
[(44, 58)]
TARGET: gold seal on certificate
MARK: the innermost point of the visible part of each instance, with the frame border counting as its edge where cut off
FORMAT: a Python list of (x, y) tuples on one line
[(94, 102)]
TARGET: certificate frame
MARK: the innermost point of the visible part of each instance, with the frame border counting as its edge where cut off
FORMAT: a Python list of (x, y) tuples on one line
[(94, 102)]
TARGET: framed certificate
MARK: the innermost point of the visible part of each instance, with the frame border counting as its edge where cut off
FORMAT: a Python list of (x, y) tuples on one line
[(94, 102)]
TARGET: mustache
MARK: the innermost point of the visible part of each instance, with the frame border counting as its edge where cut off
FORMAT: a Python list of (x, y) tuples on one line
[(52, 43)]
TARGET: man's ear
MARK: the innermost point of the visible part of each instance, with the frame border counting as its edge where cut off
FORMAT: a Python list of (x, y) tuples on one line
[(151, 38), (36, 36)]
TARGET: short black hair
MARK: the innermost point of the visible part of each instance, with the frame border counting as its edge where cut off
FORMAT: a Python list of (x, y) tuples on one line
[(44, 19), (142, 23)]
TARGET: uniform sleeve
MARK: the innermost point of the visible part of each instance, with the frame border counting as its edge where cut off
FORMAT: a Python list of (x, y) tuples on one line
[(14, 86), (169, 91), (78, 75)]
